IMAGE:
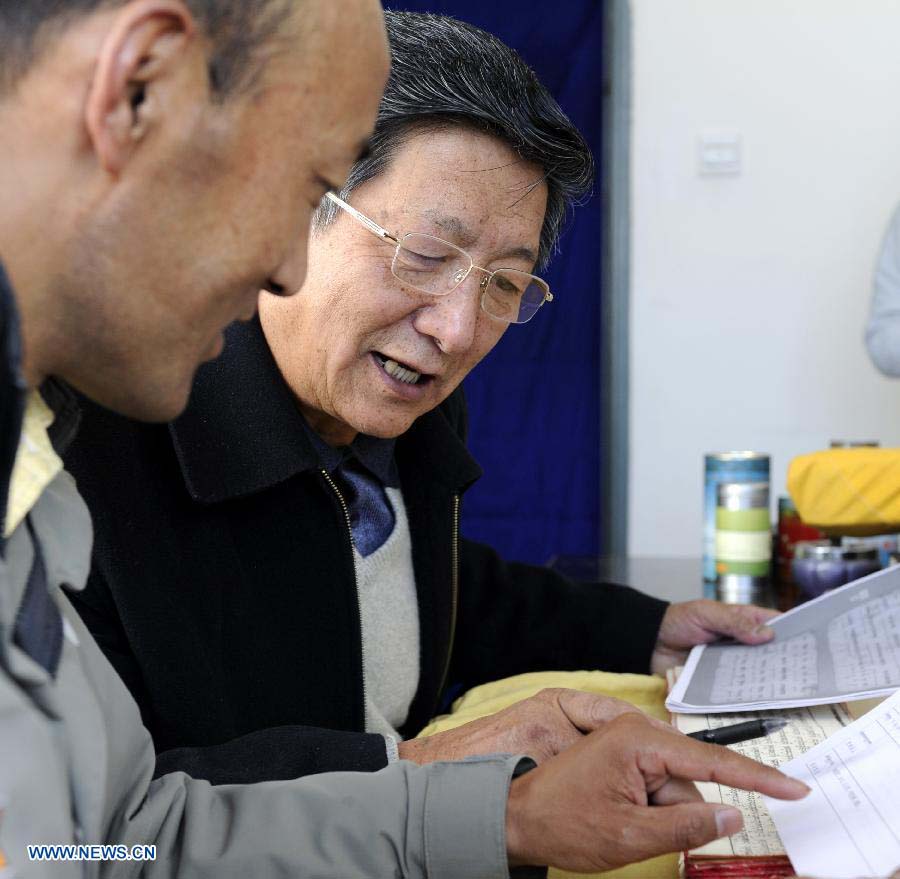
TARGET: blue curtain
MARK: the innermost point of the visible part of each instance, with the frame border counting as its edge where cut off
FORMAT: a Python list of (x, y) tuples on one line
[(534, 402)]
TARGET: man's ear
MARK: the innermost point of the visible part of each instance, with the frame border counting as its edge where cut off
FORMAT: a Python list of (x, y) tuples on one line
[(147, 42)]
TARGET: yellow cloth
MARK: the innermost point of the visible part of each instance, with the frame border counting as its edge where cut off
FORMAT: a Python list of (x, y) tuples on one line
[(647, 693), (848, 491), (37, 464)]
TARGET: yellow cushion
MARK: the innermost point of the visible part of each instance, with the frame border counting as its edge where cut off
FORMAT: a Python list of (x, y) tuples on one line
[(849, 491), (647, 693)]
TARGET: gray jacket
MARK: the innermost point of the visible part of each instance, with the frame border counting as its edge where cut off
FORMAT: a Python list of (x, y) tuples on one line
[(76, 766)]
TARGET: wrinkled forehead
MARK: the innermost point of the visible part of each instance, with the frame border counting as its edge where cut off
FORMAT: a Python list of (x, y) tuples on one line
[(465, 186)]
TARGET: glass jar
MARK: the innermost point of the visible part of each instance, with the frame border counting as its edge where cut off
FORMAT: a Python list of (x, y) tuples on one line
[(819, 566)]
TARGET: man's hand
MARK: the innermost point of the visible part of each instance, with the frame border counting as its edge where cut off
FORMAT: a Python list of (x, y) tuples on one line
[(624, 793), (540, 727), (699, 622)]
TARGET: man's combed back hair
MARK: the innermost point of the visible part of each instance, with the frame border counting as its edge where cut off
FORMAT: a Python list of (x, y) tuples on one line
[(445, 72), (236, 29)]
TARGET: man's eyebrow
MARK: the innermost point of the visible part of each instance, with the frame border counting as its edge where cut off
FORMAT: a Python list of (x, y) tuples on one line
[(525, 253), (326, 184), (456, 227), (363, 149), (451, 225)]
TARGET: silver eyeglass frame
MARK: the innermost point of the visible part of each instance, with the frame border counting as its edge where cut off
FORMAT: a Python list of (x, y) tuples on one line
[(459, 277)]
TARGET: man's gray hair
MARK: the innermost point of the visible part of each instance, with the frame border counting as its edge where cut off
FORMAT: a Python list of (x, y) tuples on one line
[(445, 72), (236, 31)]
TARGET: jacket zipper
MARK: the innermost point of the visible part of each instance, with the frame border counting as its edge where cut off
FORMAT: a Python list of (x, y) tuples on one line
[(454, 591), (362, 641)]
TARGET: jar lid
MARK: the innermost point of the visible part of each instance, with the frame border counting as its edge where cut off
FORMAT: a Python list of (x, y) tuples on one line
[(738, 456), (822, 550)]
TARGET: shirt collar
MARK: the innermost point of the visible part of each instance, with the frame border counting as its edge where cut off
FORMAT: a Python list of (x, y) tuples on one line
[(243, 431), (49, 425), (37, 463), (375, 454)]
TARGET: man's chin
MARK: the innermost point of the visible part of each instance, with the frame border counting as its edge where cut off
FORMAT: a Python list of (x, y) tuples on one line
[(146, 400), (391, 421), (157, 410), (382, 428)]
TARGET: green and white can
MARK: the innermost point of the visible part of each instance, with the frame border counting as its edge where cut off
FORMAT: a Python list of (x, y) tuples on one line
[(721, 467), (743, 540)]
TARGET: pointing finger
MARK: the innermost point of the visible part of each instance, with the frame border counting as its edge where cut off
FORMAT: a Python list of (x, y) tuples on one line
[(683, 757)]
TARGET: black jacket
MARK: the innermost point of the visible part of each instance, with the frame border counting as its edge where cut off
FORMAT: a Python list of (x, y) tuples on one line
[(224, 593)]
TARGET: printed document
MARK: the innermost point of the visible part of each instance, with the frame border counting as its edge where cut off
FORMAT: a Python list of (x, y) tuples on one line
[(840, 647), (807, 728), (849, 826)]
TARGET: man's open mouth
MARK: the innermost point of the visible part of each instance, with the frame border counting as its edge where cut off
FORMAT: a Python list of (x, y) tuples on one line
[(400, 371)]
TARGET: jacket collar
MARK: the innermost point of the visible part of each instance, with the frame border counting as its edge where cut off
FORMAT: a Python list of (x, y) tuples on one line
[(12, 392), (66, 413), (243, 432)]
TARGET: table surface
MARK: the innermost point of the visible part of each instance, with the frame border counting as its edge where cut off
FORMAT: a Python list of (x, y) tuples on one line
[(671, 579)]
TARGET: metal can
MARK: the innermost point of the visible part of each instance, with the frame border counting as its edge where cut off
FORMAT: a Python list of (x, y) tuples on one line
[(743, 541), (722, 467)]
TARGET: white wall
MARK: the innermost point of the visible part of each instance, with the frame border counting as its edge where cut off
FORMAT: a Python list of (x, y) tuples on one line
[(750, 293)]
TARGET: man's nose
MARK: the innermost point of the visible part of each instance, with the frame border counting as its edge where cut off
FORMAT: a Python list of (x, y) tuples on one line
[(451, 319)]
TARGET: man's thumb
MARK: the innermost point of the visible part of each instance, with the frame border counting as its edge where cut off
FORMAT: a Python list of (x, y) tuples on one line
[(588, 712), (690, 825), (745, 624)]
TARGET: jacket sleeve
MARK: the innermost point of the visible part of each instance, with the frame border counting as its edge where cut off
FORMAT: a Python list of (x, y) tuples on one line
[(515, 618), (278, 753), (442, 821), (265, 755), (883, 327)]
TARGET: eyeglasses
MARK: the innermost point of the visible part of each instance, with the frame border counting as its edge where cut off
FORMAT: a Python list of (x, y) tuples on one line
[(437, 267)]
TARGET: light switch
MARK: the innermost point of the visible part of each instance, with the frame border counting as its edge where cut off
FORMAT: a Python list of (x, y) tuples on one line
[(720, 153)]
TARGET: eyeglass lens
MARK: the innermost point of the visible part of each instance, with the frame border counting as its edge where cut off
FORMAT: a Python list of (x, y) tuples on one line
[(435, 266), (430, 264)]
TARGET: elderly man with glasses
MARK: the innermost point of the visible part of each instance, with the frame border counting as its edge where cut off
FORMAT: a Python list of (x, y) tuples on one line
[(279, 575)]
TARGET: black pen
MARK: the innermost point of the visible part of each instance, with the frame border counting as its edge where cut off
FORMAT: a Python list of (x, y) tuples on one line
[(740, 732)]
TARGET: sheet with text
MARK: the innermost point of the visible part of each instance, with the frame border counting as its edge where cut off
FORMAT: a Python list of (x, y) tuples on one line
[(807, 728), (840, 647), (849, 826)]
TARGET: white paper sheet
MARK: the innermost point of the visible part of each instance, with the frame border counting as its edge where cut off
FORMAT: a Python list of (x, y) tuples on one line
[(840, 647), (849, 826), (807, 728)]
